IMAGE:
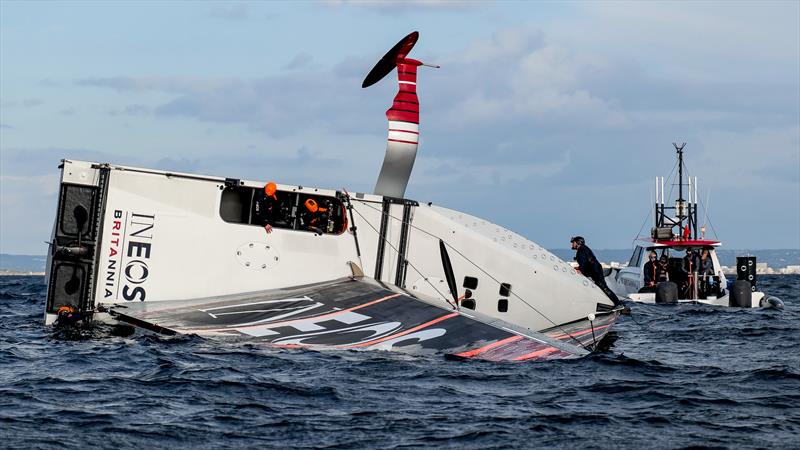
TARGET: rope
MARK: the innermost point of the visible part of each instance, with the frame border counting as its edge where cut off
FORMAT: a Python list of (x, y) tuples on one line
[(704, 207), (479, 268), (353, 225), (669, 180), (409, 262)]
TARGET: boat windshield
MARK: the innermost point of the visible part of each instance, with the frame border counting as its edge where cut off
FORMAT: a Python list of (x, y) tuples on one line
[(321, 214)]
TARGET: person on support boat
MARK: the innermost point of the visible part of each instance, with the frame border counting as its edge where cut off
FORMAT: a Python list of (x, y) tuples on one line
[(591, 268), (689, 268), (652, 273), (705, 266), (663, 267), (705, 271)]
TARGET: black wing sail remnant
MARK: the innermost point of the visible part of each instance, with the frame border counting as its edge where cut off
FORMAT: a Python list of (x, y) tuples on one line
[(348, 314)]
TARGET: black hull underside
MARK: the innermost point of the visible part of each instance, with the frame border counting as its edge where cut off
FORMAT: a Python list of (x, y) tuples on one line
[(361, 314)]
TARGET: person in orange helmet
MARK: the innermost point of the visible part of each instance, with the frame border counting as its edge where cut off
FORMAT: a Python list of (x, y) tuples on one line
[(315, 216), (267, 207)]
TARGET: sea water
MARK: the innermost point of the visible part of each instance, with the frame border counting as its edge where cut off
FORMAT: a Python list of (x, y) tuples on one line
[(676, 376)]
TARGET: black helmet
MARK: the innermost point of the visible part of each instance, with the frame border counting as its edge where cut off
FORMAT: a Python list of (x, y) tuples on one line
[(578, 240)]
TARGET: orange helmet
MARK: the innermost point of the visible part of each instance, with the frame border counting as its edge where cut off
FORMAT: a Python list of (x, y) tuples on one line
[(270, 189), (311, 205)]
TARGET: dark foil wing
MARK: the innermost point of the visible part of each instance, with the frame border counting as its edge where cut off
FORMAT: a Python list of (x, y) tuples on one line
[(389, 60), (347, 314)]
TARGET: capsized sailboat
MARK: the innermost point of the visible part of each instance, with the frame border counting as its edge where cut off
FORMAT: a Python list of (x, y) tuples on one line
[(131, 245)]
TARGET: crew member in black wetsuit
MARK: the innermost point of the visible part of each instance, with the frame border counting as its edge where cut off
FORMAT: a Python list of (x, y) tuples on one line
[(705, 265), (314, 217), (266, 207), (652, 273), (705, 270), (689, 267), (591, 267), (663, 267)]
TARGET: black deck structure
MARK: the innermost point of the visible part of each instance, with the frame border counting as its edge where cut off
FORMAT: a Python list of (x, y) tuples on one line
[(362, 314)]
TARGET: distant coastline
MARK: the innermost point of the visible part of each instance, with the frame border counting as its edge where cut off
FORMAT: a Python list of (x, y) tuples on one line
[(15, 273), (769, 262)]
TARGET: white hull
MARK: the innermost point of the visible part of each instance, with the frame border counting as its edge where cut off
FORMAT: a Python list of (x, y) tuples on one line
[(158, 236), (626, 282), (757, 300)]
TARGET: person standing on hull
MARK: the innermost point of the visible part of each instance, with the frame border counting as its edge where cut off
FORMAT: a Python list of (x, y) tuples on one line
[(591, 268)]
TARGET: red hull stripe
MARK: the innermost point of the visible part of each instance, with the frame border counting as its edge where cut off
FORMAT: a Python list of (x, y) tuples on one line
[(403, 131), (400, 116), (403, 142), (412, 110), (402, 333), (684, 243), (580, 333), (405, 121), (407, 101), (479, 350), (537, 353)]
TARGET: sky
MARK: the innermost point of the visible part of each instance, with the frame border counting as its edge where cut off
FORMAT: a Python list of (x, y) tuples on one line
[(549, 118)]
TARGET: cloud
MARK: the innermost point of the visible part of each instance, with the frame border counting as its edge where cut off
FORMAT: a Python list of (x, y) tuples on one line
[(434, 172), (26, 103), (170, 85), (32, 102), (231, 11), (518, 115), (750, 157), (47, 82), (514, 96), (695, 40), (404, 6), (25, 228), (131, 110), (514, 78), (300, 61), (278, 105)]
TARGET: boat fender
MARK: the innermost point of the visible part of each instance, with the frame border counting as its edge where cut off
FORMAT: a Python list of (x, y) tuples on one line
[(740, 295), (771, 302), (666, 293)]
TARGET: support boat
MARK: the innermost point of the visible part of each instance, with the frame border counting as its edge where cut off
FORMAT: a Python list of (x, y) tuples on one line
[(686, 267)]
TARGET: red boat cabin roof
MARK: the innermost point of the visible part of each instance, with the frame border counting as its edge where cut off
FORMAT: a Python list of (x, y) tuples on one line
[(681, 242)]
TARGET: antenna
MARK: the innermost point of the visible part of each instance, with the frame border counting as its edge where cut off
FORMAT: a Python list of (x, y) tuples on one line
[(679, 149), (680, 204), (706, 207)]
